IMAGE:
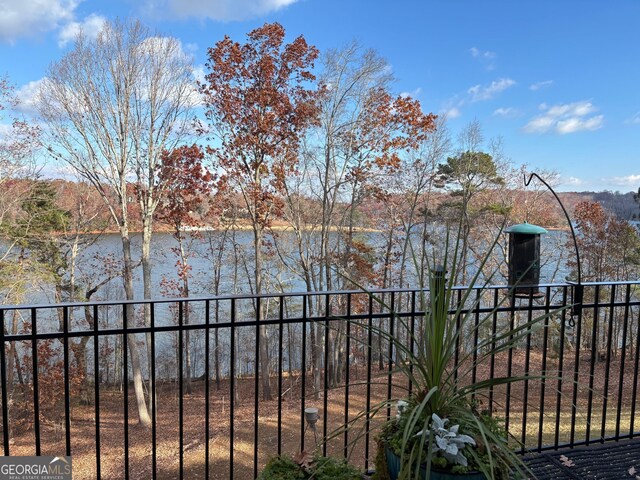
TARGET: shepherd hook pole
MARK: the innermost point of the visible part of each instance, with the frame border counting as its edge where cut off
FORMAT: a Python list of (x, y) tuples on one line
[(578, 289)]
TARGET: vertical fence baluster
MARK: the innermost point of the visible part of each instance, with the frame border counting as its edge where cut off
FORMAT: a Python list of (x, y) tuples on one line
[(543, 384), (154, 393), (67, 391), (368, 399), (4, 386), (232, 384), (347, 377), (605, 398), (325, 413), (207, 375), (391, 336), (181, 307), (527, 364), (636, 366), (492, 360), (280, 367), (560, 382), (623, 357), (592, 368), (36, 393), (412, 336), (476, 323), (576, 375), (125, 381), (456, 359), (256, 389), (303, 369), (96, 386), (512, 318)]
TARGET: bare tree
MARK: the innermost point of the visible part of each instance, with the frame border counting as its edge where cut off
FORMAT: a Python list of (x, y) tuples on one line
[(18, 144), (112, 106)]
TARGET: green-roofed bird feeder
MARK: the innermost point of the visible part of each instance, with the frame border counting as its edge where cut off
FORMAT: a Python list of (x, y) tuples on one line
[(524, 259)]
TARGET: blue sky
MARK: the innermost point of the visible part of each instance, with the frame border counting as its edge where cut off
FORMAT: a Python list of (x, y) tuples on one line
[(558, 80)]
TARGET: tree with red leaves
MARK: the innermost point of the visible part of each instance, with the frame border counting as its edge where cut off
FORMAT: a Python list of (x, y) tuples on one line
[(188, 187), (610, 248), (259, 102)]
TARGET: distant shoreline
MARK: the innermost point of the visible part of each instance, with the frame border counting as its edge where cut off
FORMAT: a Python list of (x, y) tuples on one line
[(236, 228)]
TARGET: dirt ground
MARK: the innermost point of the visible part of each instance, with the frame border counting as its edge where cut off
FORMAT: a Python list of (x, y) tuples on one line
[(112, 454)]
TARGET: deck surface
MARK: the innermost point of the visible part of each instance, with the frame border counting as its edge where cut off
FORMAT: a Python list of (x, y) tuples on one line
[(608, 461)]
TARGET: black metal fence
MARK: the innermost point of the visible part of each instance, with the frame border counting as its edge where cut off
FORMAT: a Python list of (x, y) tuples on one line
[(68, 386)]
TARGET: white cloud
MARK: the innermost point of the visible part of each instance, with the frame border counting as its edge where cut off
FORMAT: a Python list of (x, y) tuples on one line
[(539, 124), (576, 124), (539, 85), (27, 96), (572, 181), (25, 18), (486, 57), (412, 94), (565, 118), (507, 112), (576, 109), (223, 10), (199, 73), (5, 131), (635, 120), (627, 181), (480, 92), (479, 53), (452, 107), (452, 113), (91, 26)]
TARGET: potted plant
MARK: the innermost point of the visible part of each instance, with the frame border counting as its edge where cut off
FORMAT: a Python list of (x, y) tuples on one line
[(440, 430)]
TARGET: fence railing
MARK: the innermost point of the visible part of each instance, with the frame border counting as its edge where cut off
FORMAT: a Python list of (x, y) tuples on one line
[(226, 388)]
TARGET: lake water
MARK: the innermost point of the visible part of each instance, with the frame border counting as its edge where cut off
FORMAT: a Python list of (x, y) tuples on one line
[(164, 260), (90, 265)]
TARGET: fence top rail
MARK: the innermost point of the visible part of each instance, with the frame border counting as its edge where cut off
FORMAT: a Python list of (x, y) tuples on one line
[(303, 294)]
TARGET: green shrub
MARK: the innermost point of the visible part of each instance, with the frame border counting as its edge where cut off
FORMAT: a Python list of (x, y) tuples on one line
[(319, 468)]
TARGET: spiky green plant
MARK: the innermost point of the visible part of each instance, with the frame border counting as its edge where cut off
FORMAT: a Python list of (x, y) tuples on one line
[(428, 361)]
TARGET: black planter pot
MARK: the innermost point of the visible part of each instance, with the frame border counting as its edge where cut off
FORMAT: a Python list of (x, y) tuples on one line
[(393, 467)]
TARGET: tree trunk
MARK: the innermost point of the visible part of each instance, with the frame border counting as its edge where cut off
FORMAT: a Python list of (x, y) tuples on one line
[(315, 348), (216, 345), (143, 413), (186, 311), (233, 363), (263, 334), (147, 231), (79, 350)]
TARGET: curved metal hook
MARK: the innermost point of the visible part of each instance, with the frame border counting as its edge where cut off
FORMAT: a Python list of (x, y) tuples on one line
[(578, 292)]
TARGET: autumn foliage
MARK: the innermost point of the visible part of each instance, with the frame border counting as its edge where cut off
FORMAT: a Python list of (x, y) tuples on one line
[(189, 185), (609, 246), (259, 102)]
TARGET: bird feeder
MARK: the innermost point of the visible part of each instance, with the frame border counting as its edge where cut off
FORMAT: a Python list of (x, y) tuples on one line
[(524, 259)]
